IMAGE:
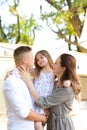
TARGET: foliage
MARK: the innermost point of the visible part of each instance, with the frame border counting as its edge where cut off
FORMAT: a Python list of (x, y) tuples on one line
[(64, 17), (27, 31), (66, 20), (22, 30)]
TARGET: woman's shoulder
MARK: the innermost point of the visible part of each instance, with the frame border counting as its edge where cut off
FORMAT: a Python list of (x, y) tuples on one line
[(66, 90)]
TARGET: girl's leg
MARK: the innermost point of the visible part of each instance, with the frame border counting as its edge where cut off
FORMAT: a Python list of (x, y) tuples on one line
[(38, 126)]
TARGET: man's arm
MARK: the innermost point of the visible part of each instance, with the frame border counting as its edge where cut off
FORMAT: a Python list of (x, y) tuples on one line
[(35, 116)]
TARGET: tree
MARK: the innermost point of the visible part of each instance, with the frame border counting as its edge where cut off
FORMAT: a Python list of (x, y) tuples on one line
[(3, 37), (64, 17), (22, 30), (68, 16)]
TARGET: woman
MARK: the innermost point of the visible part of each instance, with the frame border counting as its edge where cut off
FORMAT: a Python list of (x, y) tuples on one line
[(61, 99)]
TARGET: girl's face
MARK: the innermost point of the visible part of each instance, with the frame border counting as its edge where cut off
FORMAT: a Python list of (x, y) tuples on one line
[(41, 60), (57, 68)]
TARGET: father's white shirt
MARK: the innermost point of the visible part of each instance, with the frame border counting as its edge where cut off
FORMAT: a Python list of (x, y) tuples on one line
[(18, 103)]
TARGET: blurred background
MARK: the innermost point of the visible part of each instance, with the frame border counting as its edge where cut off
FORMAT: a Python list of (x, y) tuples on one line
[(55, 25)]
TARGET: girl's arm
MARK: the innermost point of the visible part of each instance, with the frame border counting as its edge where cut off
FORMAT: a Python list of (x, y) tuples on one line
[(27, 78)]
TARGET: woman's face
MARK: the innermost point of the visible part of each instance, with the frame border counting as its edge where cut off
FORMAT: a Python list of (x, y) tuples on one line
[(57, 68)]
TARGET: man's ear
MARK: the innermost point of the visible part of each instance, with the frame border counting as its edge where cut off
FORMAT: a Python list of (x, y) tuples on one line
[(24, 60)]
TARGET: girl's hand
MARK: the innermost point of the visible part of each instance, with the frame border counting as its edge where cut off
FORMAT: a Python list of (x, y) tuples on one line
[(25, 74)]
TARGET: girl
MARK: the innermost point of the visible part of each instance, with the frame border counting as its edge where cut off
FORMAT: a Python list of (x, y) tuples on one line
[(43, 80)]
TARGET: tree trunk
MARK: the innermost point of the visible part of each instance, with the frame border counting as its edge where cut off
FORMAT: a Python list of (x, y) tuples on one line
[(18, 23), (83, 37)]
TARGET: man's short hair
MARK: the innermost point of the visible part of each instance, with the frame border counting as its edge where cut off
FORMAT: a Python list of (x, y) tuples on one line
[(19, 52)]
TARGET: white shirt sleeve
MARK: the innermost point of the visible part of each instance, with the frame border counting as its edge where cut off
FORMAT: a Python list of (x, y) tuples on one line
[(14, 94)]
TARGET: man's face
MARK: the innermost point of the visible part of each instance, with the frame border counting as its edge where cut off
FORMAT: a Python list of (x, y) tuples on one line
[(29, 60)]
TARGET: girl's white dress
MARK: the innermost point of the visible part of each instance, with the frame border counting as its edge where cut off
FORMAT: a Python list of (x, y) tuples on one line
[(44, 86)]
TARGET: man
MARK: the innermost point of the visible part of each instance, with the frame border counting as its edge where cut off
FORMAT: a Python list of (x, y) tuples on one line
[(19, 103)]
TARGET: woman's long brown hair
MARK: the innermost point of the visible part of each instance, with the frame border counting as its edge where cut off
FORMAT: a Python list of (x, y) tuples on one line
[(69, 62)]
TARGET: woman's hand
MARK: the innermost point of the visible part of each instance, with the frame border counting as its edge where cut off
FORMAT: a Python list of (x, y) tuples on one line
[(7, 74), (67, 83), (47, 112)]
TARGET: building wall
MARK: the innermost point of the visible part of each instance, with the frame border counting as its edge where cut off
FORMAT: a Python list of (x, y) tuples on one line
[(84, 87), (6, 63)]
